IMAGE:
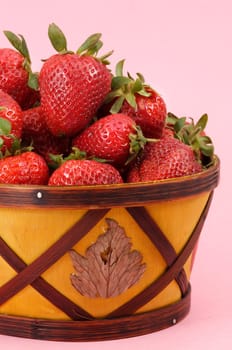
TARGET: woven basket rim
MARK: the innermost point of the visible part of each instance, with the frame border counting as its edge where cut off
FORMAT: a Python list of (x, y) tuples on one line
[(104, 196)]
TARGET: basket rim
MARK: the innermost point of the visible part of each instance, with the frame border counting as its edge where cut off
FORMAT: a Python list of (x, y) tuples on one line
[(106, 196), (97, 329)]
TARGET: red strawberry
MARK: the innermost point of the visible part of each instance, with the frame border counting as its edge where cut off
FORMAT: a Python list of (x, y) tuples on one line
[(84, 172), (16, 77), (139, 101), (193, 134), (32, 99), (168, 132), (36, 132), (113, 138), (72, 85), (149, 114), (26, 168), (167, 158), (11, 111)]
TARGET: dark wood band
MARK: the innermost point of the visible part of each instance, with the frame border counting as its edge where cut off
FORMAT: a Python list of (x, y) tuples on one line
[(107, 196), (96, 330)]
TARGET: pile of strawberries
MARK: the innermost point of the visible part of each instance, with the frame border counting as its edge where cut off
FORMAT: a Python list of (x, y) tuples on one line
[(77, 123)]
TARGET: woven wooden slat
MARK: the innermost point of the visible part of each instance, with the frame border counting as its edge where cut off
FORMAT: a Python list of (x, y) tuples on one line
[(149, 226), (31, 272), (44, 288)]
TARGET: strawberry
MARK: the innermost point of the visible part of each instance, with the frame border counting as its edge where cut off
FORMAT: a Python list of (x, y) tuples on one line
[(36, 132), (25, 168), (167, 158), (84, 172), (73, 85), (16, 76), (115, 138), (139, 101), (168, 132), (193, 134), (11, 112)]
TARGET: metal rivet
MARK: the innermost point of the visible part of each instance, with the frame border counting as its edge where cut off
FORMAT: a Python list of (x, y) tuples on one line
[(39, 195), (174, 321)]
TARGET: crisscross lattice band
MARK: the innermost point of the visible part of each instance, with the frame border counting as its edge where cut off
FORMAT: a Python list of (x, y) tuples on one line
[(31, 274)]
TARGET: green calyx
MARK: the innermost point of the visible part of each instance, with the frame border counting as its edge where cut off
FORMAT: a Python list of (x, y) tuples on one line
[(57, 39), (5, 125), (125, 88), (193, 134), (89, 47), (137, 143), (19, 43), (5, 130), (58, 159)]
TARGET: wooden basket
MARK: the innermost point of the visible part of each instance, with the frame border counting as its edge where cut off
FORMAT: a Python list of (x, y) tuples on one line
[(102, 262)]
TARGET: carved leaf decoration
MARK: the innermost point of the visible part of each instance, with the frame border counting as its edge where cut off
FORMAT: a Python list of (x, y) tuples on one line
[(109, 266)]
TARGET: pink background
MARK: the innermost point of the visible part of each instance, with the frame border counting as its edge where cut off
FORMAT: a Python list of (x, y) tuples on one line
[(184, 50)]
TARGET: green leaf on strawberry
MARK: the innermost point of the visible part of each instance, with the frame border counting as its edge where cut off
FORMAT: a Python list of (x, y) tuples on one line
[(137, 86), (19, 43), (119, 69), (193, 134), (57, 38), (124, 88), (1, 144), (5, 125), (119, 82), (117, 105), (91, 45), (58, 159), (33, 81), (202, 122), (131, 96), (15, 144)]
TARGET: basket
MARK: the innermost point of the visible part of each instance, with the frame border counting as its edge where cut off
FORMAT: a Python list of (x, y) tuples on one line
[(99, 262)]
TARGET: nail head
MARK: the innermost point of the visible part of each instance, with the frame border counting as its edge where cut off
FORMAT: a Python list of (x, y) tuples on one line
[(39, 195)]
